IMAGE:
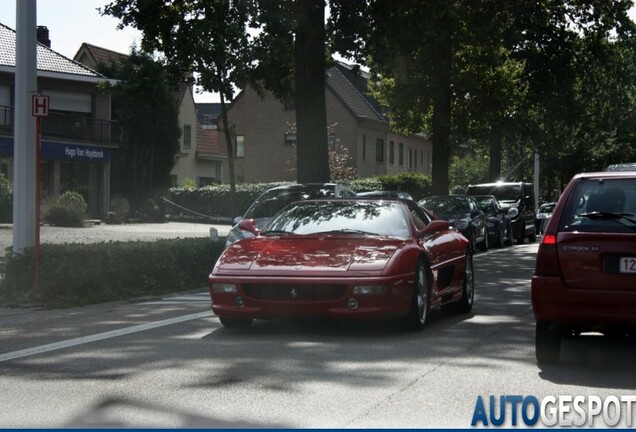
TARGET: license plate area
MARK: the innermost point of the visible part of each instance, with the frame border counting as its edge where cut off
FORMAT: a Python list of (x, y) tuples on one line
[(619, 264), (627, 265)]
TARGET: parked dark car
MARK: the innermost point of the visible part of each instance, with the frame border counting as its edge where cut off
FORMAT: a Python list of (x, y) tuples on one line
[(498, 223), (622, 167), (344, 258), (585, 275), (543, 215), (463, 213), (518, 199), (273, 200)]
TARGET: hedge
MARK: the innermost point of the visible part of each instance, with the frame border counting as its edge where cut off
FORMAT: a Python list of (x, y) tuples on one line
[(76, 274), (213, 202)]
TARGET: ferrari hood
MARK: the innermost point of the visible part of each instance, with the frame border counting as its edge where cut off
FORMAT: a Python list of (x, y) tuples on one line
[(319, 254)]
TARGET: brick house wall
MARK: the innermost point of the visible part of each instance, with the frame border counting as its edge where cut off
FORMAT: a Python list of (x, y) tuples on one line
[(263, 122)]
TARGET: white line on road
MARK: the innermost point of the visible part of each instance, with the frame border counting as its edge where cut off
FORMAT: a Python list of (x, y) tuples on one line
[(100, 336)]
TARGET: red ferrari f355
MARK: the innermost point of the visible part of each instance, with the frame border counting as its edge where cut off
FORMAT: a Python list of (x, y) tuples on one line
[(345, 258)]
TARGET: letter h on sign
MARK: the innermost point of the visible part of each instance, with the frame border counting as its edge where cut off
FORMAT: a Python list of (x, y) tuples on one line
[(40, 106)]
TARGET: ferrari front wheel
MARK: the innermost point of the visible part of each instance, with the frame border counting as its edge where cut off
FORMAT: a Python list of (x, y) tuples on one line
[(421, 302)]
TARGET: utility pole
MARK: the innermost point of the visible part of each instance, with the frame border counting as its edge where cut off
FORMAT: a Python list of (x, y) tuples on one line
[(24, 127)]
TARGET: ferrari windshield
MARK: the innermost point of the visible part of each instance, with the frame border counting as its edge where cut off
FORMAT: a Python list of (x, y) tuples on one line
[(341, 217)]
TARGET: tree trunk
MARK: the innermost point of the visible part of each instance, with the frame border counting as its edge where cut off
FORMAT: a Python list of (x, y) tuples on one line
[(312, 159), (230, 155), (441, 122), (494, 170)]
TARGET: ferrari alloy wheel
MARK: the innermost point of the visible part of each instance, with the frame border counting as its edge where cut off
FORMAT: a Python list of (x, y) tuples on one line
[(236, 322), (465, 304), (421, 301)]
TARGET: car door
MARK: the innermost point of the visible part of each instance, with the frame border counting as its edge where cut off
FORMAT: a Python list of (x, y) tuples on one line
[(478, 219)]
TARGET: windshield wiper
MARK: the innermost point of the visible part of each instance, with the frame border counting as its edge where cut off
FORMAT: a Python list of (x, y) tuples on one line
[(348, 231), (610, 216), (275, 232)]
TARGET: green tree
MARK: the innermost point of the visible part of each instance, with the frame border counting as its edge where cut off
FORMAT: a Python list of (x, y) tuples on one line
[(205, 40), (146, 107)]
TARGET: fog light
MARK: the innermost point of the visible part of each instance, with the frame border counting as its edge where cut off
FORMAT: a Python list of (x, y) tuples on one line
[(352, 303), (223, 288), (238, 302)]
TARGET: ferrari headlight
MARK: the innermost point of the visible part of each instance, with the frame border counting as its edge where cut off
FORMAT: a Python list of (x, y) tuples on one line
[(461, 224), (224, 288), (369, 289)]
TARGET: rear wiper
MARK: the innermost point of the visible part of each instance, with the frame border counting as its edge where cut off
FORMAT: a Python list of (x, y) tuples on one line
[(610, 216)]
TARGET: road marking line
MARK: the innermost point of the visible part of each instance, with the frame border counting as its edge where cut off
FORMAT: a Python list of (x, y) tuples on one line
[(100, 336)]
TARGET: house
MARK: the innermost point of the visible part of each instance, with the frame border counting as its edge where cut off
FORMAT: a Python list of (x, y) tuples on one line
[(78, 136), (265, 133), (198, 158)]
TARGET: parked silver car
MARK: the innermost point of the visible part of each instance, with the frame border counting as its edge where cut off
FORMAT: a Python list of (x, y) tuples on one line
[(273, 200)]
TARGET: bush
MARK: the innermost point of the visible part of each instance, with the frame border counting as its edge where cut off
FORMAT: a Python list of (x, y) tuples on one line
[(210, 202), (119, 209), (6, 200), (418, 185), (77, 274), (67, 210)]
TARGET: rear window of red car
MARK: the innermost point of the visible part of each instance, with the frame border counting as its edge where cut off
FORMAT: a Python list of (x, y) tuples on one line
[(601, 205)]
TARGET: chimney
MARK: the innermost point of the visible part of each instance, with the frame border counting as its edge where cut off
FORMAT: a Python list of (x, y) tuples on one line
[(43, 36)]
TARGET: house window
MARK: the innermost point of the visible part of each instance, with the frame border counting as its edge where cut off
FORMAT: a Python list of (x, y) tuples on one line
[(290, 138), (391, 152), (239, 151), (205, 181), (401, 153), (415, 158), (187, 137), (410, 158), (364, 147), (422, 159), (379, 150)]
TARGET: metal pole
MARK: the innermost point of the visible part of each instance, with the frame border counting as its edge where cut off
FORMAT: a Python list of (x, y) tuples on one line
[(38, 188), (24, 135)]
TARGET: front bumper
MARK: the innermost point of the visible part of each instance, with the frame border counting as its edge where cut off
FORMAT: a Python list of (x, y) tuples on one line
[(395, 302)]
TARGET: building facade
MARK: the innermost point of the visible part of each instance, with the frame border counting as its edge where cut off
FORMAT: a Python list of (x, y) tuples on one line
[(265, 133), (78, 136)]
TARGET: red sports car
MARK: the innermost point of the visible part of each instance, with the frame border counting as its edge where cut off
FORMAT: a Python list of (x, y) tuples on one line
[(585, 277), (345, 258)]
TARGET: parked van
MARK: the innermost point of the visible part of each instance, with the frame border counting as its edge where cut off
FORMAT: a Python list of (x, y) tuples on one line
[(518, 199)]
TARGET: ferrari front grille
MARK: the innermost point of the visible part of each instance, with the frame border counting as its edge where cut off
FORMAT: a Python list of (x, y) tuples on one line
[(291, 292)]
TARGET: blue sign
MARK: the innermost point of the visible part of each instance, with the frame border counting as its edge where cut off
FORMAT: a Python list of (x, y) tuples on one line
[(61, 151)]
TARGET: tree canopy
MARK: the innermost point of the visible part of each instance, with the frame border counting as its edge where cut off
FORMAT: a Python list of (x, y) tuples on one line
[(145, 105), (479, 77)]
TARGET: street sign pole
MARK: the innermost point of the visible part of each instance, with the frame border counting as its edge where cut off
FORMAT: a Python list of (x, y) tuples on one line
[(40, 108)]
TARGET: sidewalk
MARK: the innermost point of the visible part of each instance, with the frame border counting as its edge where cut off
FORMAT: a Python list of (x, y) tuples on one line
[(124, 232)]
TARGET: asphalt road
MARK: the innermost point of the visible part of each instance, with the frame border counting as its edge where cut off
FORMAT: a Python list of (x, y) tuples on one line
[(169, 363)]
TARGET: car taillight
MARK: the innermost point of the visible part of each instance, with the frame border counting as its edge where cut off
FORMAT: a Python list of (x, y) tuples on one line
[(547, 259)]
